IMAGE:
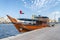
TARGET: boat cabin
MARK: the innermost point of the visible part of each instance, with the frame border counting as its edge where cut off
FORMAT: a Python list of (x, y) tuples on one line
[(36, 20)]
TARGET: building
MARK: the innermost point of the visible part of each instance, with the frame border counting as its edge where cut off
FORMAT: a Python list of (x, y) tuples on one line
[(58, 19), (4, 20)]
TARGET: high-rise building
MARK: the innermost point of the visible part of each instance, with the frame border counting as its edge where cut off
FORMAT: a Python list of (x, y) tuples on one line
[(58, 19)]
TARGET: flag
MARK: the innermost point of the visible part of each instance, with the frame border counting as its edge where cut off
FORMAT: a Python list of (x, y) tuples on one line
[(21, 12)]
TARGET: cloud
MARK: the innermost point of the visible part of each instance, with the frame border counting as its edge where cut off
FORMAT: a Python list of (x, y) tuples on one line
[(32, 1), (54, 15), (23, 0), (41, 5), (58, 0)]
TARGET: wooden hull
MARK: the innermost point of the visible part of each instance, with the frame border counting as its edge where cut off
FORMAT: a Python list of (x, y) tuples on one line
[(25, 27)]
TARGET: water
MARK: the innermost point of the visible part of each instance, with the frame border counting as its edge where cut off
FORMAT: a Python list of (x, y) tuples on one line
[(7, 30)]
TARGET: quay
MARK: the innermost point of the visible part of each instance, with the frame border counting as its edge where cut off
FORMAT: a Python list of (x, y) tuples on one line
[(48, 33)]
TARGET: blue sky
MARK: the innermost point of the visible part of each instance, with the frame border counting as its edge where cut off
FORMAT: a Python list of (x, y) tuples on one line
[(30, 7)]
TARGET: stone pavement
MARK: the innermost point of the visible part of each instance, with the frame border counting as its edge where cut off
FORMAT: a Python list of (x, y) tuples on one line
[(49, 33)]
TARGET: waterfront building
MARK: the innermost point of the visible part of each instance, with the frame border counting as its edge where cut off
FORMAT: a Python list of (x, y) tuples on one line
[(58, 19)]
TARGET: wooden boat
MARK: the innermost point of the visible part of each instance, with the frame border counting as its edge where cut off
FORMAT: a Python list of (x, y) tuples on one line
[(28, 27)]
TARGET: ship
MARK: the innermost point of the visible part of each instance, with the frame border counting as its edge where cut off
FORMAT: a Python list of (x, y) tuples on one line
[(38, 23)]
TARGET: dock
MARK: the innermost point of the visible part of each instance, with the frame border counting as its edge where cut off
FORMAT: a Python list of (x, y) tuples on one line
[(48, 33)]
